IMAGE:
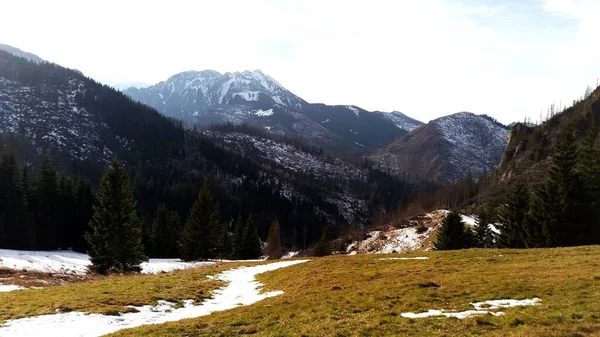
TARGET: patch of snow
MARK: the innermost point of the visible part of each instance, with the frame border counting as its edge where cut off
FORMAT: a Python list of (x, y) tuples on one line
[(195, 114), (469, 220), (326, 121), (69, 262), (405, 258), (243, 289), (250, 96), (263, 113), (9, 287), (359, 144), (481, 308), (289, 255), (354, 109)]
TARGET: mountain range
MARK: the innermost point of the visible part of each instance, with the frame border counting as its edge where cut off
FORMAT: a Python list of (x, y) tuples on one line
[(208, 97), (442, 150)]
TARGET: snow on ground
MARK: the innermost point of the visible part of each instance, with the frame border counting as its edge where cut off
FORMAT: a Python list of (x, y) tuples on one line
[(243, 289), (289, 255), (481, 308), (6, 288), (69, 262), (393, 241)]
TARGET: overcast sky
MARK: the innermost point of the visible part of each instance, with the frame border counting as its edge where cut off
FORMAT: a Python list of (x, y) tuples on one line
[(508, 58)]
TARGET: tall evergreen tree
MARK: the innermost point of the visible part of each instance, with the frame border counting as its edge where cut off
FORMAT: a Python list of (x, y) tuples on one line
[(66, 211), (589, 172), (453, 234), (483, 237), (273, 250), (252, 246), (512, 216), (166, 232), (565, 191), (542, 214), (323, 246), (83, 214), (15, 231), (116, 234), (46, 192), (198, 240), (224, 243), (238, 237)]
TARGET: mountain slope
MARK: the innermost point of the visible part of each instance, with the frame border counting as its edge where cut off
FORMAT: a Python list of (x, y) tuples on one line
[(18, 52), (58, 110), (49, 110), (530, 147), (251, 97), (447, 148)]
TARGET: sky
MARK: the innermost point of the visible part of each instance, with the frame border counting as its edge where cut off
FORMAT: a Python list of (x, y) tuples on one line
[(510, 59)]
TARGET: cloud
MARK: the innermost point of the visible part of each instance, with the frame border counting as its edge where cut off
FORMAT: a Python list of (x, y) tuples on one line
[(425, 58)]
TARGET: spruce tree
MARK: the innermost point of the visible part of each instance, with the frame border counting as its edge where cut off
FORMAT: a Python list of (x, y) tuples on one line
[(238, 238), (565, 191), (84, 199), (541, 217), (453, 234), (252, 248), (589, 172), (273, 250), (198, 239), (512, 217), (223, 240), (160, 235), (323, 247), (12, 204), (115, 237), (483, 237), (46, 193)]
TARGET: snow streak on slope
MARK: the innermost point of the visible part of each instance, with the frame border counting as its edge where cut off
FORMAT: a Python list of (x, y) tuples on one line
[(243, 289), (69, 262), (401, 120)]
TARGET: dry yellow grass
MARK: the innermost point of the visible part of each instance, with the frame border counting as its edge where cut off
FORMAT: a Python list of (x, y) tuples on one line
[(364, 296)]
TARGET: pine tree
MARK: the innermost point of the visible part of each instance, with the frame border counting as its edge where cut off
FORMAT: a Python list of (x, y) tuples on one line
[(115, 238), (589, 171), (323, 247), (252, 246), (28, 222), (12, 205), (66, 206), (452, 234), (483, 237), (83, 214), (238, 238), (273, 250), (46, 193), (198, 239), (160, 235), (224, 244), (542, 213), (564, 187), (512, 216)]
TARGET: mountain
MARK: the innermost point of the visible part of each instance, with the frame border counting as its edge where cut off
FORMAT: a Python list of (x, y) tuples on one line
[(446, 149), (59, 110), (530, 147), (208, 97), (48, 110), (122, 86), (18, 52)]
